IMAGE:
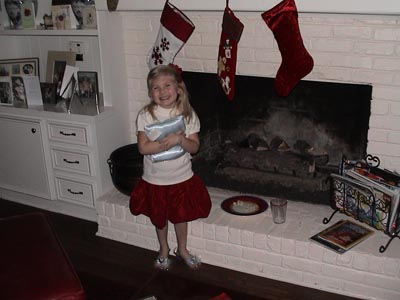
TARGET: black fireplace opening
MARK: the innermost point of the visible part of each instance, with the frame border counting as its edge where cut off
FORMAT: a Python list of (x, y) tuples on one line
[(260, 143)]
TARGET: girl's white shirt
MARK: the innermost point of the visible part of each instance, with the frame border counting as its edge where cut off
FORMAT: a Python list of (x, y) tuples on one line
[(170, 171)]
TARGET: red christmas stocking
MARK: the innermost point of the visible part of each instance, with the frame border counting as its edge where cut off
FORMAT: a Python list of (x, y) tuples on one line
[(232, 30), (296, 61), (175, 30)]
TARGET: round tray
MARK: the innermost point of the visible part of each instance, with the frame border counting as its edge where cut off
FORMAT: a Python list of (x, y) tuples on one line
[(244, 205)]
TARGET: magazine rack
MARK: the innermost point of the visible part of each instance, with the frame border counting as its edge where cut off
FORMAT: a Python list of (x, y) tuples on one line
[(366, 200)]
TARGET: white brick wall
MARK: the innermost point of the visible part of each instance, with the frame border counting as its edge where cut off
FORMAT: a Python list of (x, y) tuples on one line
[(345, 48), (282, 252)]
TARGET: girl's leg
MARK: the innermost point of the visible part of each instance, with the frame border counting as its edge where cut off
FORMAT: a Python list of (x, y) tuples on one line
[(192, 261), (181, 230), (162, 235), (163, 262)]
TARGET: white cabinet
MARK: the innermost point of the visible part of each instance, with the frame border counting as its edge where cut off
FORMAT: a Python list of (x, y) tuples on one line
[(70, 160), (72, 171), (57, 161), (22, 159)]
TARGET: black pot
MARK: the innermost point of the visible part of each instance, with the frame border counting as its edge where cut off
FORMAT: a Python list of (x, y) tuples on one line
[(126, 167)]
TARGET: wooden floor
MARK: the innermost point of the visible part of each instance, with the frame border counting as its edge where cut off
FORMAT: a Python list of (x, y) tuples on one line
[(110, 270)]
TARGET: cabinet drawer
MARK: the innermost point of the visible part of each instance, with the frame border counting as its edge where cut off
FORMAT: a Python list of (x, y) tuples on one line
[(74, 191), (68, 134), (71, 161)]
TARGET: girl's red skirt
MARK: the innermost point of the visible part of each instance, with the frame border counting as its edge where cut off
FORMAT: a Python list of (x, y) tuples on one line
[(177, 203)]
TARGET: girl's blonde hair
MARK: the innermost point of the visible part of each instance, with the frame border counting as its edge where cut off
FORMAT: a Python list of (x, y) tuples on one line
[(183, 106)]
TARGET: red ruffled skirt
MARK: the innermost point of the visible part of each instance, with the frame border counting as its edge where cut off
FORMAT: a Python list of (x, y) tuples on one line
[(177, 203)]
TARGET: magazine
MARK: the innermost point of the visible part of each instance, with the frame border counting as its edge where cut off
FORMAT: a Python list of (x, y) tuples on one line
[(386, 196), (342, 235), (359, 200)]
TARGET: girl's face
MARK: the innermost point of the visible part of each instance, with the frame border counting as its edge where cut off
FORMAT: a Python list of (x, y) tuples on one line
[(164, 91)]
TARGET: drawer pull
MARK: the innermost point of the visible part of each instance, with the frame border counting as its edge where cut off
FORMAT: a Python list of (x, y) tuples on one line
[(74, 193), (70, 161), (68, 134)]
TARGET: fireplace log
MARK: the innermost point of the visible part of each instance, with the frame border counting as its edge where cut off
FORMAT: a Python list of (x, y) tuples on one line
[(255, 142), (278, 144), (288, 163), (278, 182), (302, 146)]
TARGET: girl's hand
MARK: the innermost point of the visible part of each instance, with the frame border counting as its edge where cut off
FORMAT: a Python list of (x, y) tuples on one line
[(171, 140), (147, 146)]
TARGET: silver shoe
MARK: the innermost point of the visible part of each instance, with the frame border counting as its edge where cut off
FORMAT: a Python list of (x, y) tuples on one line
[(193, 261), (162, 263)]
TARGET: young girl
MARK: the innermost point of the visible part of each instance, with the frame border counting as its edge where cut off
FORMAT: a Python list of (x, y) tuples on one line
[(168, 190)]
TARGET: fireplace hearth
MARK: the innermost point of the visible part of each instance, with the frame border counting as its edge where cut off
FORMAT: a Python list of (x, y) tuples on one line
[(264, 144)]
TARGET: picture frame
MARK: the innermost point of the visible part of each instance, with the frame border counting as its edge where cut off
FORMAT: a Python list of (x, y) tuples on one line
[(19, 67), (88, 85), (87, 94), (89, 17), (48, 90), (63, 17), (18, 91), (56, 62), (6, 95)]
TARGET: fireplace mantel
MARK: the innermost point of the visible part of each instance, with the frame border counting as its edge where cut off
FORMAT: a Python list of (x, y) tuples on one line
[(385, 7)]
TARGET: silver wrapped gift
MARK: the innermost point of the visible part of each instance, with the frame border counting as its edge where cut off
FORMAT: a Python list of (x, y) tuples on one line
[(159, 130)]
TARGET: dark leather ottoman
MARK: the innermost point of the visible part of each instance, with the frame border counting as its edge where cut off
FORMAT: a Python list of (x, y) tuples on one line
[(33, 263)]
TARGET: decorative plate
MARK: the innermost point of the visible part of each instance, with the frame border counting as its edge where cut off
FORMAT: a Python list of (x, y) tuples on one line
[(244, 205)]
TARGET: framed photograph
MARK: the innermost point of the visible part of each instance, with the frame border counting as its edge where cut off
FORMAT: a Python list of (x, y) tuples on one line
[(88, 86), (18, 91), (89, 19), (56, 62), (6, 97), (59, 70), (48, 92), (19, 67)]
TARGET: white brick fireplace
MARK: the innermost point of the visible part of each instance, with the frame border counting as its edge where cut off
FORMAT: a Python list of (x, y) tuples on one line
[(350, 48), (346, 48)]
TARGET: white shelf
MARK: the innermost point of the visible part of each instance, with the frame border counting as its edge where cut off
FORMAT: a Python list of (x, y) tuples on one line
[(49, 32)]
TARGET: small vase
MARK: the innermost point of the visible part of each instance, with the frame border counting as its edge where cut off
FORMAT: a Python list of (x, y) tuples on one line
[(77, 7), (13, 9)]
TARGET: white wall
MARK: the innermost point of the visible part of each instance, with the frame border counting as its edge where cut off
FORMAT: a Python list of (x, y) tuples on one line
[(345, 47), (338, 6)]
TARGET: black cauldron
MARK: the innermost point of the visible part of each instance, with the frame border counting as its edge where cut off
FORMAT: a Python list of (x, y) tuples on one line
[(126, 167)]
